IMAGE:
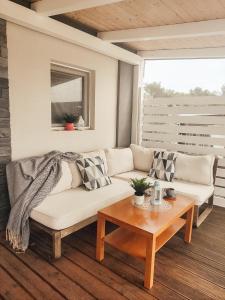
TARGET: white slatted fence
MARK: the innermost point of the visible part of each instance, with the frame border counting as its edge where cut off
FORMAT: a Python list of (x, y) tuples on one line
[(191, 125)]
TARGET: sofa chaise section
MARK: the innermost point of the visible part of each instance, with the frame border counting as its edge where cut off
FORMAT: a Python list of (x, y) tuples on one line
[(64, 213), (199, 192)]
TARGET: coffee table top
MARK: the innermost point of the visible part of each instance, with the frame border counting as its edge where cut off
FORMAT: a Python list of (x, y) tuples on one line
[(146, 222)]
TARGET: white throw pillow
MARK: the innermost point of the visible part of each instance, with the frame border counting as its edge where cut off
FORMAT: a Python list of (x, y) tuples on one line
[(193, 168), (77, 179), (143, 157), (65, 181), (119, 161)]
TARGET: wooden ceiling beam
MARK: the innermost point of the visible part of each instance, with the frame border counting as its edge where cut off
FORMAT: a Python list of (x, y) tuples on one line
[(57, 7), (25, 17), (183, 53), (184, 30)]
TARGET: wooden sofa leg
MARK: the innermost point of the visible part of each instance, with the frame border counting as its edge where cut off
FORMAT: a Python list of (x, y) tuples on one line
[(199, 218), (57, 247), (196, 215)]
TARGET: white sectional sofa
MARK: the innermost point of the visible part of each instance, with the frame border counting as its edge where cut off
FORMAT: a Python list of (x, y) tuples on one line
[(70, 206)]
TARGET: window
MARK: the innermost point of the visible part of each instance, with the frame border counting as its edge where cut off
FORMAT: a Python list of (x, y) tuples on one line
[(72, 92)]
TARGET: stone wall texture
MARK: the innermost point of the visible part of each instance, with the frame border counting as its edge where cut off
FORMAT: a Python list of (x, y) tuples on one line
[(5, 140)]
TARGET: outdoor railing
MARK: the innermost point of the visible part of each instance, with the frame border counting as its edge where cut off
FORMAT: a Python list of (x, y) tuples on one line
[(188, 124)]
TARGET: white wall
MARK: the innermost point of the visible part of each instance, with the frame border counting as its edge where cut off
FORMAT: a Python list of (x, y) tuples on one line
[(30, 54)]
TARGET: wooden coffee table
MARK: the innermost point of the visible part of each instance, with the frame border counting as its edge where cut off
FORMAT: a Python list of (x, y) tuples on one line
[(142, 233)]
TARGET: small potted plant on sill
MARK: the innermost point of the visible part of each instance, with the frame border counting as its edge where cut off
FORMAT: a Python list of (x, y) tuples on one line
[(69, 119), (140, 186)]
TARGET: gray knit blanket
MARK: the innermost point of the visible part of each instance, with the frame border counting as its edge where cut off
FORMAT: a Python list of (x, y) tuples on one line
[(30, 180)]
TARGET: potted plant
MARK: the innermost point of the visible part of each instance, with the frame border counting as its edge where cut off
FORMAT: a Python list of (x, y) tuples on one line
[(70, 119), (140, 186)]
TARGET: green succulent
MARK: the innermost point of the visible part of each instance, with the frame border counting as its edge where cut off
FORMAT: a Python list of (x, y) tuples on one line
[(140, 185), (70, 118)]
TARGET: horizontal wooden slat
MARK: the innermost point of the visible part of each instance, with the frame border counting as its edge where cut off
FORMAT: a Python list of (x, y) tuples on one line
[(184, 148), (173, 128), (220, 201), (185, 119), (184, 138), (221, 162), (194, 125), (186, 100), (219, 191), (210, 110), (220, 182), (220, 172)]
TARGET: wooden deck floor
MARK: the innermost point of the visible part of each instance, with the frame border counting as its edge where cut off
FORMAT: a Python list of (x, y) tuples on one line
[(195, 271)]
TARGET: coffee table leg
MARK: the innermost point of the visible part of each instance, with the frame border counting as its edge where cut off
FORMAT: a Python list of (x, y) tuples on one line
[(100, 238), (188, 226), (150, 262)]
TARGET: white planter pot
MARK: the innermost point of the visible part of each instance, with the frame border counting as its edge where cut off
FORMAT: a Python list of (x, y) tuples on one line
[(139, 200)]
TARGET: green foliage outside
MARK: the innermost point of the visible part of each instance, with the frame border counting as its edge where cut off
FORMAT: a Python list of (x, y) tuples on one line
[(155, 89)]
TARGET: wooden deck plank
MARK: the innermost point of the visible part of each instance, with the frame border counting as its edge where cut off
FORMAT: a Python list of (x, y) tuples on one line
[(53, 277), (10, 289), (178, 279), (26, 278), (195, 271), (199, 254), (215, 245), (195, 267), (111, 279), (86, 279), (104, 274), (195, 283), (122, 269)]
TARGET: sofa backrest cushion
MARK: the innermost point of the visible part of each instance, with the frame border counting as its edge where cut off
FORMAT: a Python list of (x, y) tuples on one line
[(77, 179), (193, 168), (119, 161), (65, 181), (143, 157)]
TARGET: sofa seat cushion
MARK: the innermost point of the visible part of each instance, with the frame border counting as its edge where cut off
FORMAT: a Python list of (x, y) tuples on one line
[(65, 209), (199, 192)]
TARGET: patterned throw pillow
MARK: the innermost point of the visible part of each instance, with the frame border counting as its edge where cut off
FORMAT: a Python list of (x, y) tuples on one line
[(163, 166), (93, 172)]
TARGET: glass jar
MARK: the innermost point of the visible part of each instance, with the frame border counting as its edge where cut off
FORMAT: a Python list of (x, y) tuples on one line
[(157, 193)]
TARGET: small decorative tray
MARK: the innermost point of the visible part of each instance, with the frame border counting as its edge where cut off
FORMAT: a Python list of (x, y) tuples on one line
[(165, 205)]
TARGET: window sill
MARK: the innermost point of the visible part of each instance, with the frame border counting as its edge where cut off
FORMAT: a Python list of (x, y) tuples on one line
[(76, 129)]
